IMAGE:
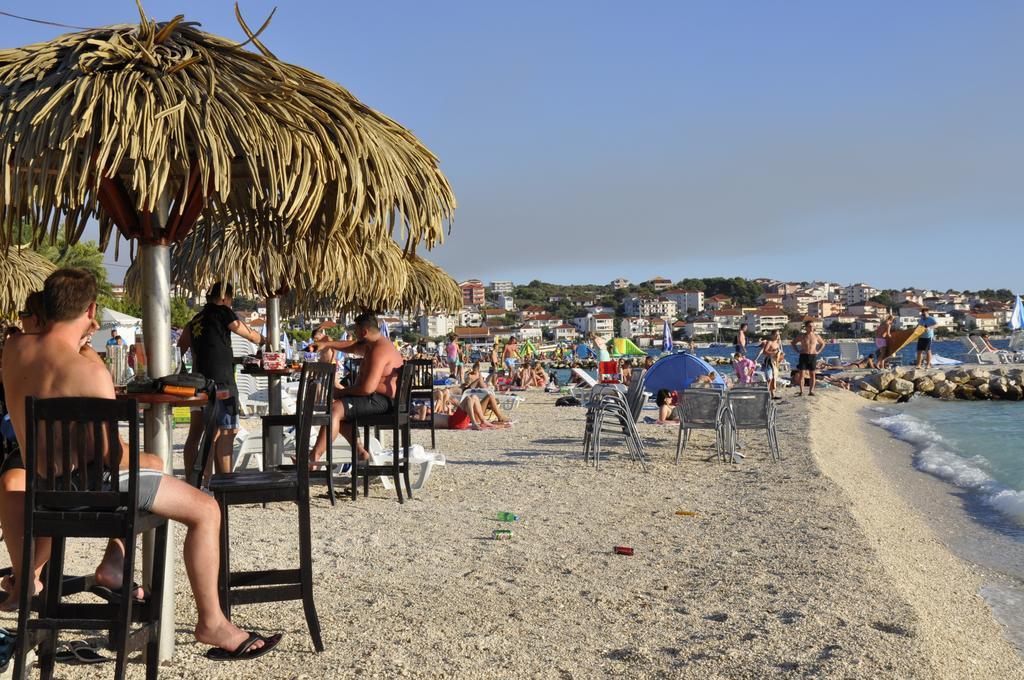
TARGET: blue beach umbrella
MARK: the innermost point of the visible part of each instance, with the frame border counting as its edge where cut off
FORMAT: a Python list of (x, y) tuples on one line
[(1017, 318)]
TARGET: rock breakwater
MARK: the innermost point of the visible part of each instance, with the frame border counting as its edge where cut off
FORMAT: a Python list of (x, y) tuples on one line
[(972, 384)]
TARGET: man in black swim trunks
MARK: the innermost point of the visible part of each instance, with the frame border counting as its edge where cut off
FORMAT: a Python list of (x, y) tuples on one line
[(376, 384), (808, 344)]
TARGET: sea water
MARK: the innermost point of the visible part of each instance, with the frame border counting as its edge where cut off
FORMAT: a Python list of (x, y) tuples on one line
[(975, 445), (978, 448)]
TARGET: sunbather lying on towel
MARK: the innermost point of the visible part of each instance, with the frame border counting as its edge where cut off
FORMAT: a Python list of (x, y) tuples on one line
[(449, 414)]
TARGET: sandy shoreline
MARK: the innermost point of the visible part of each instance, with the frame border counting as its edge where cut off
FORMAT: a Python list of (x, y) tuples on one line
[(784, 571)]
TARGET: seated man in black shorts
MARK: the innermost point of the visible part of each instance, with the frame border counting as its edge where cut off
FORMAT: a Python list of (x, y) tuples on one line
[(376, 384), (808, 344)]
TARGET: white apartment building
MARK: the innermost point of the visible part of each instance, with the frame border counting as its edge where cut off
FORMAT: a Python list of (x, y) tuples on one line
[(651, 306), (798, 303), (565, 332), (701, 328), (434, 325), (506, 302), (728, 317), (687, 301), (858, 293), (470, 318), (984, 322), (499, 287), (630, 327), (620, 283), (766, 320), (602, 324)]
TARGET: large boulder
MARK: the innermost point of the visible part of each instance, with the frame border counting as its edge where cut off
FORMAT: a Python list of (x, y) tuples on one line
[(938, 376), (944, 389), (880, 381), (979, 373), (925, 385), (888, 396), (901, 386), (983, 391), (965, 391), (958, 376), (868, 394), (1014, 393), (978, 382), (997, 387), (866, 386)]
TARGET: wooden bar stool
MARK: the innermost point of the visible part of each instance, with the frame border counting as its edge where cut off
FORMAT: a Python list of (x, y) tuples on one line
[(90, 499), (272, 486)]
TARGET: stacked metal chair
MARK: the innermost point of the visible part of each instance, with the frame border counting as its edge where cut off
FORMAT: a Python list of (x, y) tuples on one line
[(612, 412)]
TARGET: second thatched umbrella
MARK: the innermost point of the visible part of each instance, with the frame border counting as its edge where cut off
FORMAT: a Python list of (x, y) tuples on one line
[(22, 272)]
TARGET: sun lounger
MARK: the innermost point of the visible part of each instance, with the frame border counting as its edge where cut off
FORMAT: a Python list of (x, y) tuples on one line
[(977, 353)]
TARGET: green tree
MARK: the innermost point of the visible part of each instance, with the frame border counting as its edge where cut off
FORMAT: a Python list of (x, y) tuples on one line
[(181, 313), (85, 255)]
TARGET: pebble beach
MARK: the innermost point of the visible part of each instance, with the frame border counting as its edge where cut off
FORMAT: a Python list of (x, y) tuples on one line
[(812, 567)]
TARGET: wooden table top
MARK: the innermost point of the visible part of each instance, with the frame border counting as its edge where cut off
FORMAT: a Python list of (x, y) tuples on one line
[(162, 398)]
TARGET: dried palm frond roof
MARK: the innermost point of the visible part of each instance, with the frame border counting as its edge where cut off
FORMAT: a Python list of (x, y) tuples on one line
[(431, 287), (22, 272), (130, 114), (338, 275)]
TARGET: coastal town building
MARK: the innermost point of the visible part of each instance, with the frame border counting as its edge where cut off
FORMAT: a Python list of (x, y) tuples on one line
[(701, 328), (544, 321), (650, 306), (858, 293), (474, 334), (983, 322), (434, 325), (766, 319), (659, 284), (868, 308), (470, 317), (473, 292), (499, 287), (771, 299), (717, 301), (531, 312), (506, 302), (728, 317), (687, 301), (602, 324), (866, 325), (824, 308), (797, 303), (631, 327), (838, 320), (565, 332), (620, 283)]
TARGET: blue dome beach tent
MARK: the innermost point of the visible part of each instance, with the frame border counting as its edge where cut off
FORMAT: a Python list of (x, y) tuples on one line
[(677, 371)]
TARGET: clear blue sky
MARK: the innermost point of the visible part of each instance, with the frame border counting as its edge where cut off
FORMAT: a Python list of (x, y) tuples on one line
[(873, 141)]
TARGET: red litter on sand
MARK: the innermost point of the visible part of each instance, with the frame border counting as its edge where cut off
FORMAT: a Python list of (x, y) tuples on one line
[(622, 550)]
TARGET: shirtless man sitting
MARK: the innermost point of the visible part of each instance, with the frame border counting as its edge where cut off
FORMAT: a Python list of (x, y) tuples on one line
[(49, 364), (376, 384), (808, 344)]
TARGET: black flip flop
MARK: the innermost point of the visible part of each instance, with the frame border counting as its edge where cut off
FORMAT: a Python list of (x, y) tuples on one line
[(242, 652), (114, 596), (80, 651)]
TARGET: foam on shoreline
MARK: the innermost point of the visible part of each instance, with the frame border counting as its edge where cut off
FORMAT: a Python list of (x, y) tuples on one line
[(933, 455)]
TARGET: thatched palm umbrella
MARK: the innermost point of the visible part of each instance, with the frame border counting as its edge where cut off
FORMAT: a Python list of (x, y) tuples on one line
[(430, 287), (22, 272), (149, 127)]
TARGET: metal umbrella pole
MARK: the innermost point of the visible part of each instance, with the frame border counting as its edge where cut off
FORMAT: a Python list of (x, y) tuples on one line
[(276, 442), (157, 424)]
